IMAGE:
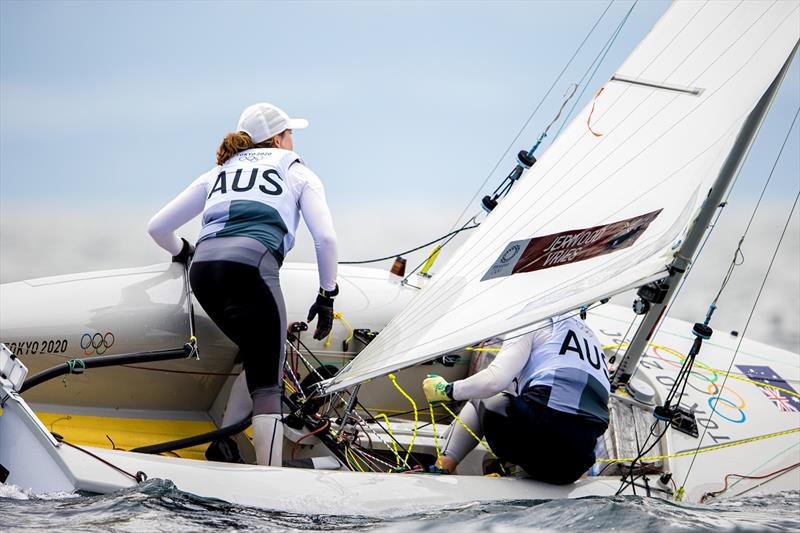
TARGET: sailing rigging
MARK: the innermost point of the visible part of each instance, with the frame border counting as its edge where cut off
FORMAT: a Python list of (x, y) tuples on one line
[(663, 150)]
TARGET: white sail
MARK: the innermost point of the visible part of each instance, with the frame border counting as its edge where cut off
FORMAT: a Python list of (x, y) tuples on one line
[(607, 205)]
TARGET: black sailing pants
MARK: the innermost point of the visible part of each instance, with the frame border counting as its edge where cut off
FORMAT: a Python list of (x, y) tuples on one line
[(246, 303)]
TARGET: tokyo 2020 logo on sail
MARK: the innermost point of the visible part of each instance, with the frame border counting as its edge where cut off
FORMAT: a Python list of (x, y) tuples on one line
[(510, 253), (97, 343)]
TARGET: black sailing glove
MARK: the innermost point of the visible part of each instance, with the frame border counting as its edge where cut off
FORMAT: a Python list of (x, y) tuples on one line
[(323, 309), (186, 253)]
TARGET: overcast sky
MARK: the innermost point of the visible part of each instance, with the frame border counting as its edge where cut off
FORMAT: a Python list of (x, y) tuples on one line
[(109, 109)]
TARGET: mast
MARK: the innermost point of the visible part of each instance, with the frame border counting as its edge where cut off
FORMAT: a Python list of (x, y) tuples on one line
[(687, 252)]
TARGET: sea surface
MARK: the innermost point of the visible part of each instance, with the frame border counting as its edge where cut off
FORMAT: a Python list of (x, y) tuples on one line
[(158, 506)]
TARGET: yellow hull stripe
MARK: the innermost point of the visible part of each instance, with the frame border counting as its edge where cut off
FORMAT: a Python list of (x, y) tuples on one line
[(126, 433)]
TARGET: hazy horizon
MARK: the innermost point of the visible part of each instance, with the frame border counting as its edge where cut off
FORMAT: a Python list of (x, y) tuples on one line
[(66, 242)]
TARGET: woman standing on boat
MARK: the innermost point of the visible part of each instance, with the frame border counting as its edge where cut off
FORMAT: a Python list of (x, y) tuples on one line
[(251, 204), (542, 403)]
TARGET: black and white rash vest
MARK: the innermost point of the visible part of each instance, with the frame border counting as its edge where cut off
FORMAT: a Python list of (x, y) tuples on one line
[(253, 195), (567, 372)]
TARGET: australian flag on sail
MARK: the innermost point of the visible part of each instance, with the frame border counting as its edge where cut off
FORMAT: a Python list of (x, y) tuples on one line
[(764, 374)]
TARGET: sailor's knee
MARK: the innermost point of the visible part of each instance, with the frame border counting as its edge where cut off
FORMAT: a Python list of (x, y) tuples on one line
[(266, 400)]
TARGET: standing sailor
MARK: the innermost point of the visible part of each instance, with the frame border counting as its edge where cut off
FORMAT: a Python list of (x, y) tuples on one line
[(251, 204), (549, 425)]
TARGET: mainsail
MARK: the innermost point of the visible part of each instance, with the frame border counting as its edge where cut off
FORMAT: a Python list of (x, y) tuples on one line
[(607, 206)]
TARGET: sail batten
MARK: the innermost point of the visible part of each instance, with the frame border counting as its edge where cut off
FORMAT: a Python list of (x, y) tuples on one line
[(598, 215)]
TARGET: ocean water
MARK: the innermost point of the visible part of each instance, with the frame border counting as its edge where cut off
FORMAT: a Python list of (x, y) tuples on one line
[(158, 506)]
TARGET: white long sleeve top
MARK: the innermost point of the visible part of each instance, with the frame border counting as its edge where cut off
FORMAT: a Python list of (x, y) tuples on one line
[(306, 190)]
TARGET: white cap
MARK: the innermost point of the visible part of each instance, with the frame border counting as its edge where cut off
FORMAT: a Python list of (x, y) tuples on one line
[(263, 121)]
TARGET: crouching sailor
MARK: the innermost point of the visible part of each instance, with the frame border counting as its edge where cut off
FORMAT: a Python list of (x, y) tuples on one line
[(251, 204), (550, 423)]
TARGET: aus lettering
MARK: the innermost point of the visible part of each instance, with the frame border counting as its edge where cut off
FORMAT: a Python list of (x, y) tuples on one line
[(244, 184), (572, 344)]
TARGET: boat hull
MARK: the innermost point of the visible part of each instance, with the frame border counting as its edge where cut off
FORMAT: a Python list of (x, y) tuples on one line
[(50, 320)]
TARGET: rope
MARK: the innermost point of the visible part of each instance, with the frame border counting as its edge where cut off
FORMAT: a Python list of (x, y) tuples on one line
[(530, 117), (721, 206), (373, 459), (443, 237), (347, 460), (452, 236), (716, 493), (738, 256), (358, 461), (339, 316), (431, 259), (601, 56), (72, 364), (396, 444), (322, 427), (704, 450), (431, 300), (764, 281), (589, 119), (465, 426), (393, 443), (712, 369), (435, 438), (139, 477), (670, 128), (744, 331), (416, 414)]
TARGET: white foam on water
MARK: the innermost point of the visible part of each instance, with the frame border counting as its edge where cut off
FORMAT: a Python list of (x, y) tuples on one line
[(14, 492)]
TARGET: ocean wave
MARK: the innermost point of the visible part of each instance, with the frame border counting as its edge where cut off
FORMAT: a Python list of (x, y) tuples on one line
[(158, 505)]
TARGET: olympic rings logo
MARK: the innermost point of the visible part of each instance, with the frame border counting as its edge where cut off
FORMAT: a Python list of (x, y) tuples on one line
[(97, 343), (727, 399), (252, 158)]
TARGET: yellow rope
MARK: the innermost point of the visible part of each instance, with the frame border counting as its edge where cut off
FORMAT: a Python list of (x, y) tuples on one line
[(416, 415), (710, 369), (393, 441), (288, 384), (346, 324), (353, 456), (435, 438), (710, 449), (360, 461), (465, 426), (431, 259), (480, 441), (347, 459), (473, 349)]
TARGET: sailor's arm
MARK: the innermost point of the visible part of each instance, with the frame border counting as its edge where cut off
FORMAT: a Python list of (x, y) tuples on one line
[(311, 201), (490, 381), (320, 223), (499, 374), (184, 207)]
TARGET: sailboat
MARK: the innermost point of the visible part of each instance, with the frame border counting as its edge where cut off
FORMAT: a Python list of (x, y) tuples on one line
[(621, 200)]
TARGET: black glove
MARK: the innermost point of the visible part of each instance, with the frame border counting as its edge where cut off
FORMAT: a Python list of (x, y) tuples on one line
[(186, 253), (324, 308)]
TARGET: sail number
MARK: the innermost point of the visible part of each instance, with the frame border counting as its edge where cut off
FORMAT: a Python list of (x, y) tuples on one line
[(46, 346)]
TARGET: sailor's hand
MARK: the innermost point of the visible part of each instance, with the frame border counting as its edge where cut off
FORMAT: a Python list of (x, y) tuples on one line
[(437, 389), (186, 253), (323, 310)]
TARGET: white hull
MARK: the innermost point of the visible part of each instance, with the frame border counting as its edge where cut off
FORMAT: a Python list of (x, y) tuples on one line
[(47, 321), (38, 462)]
